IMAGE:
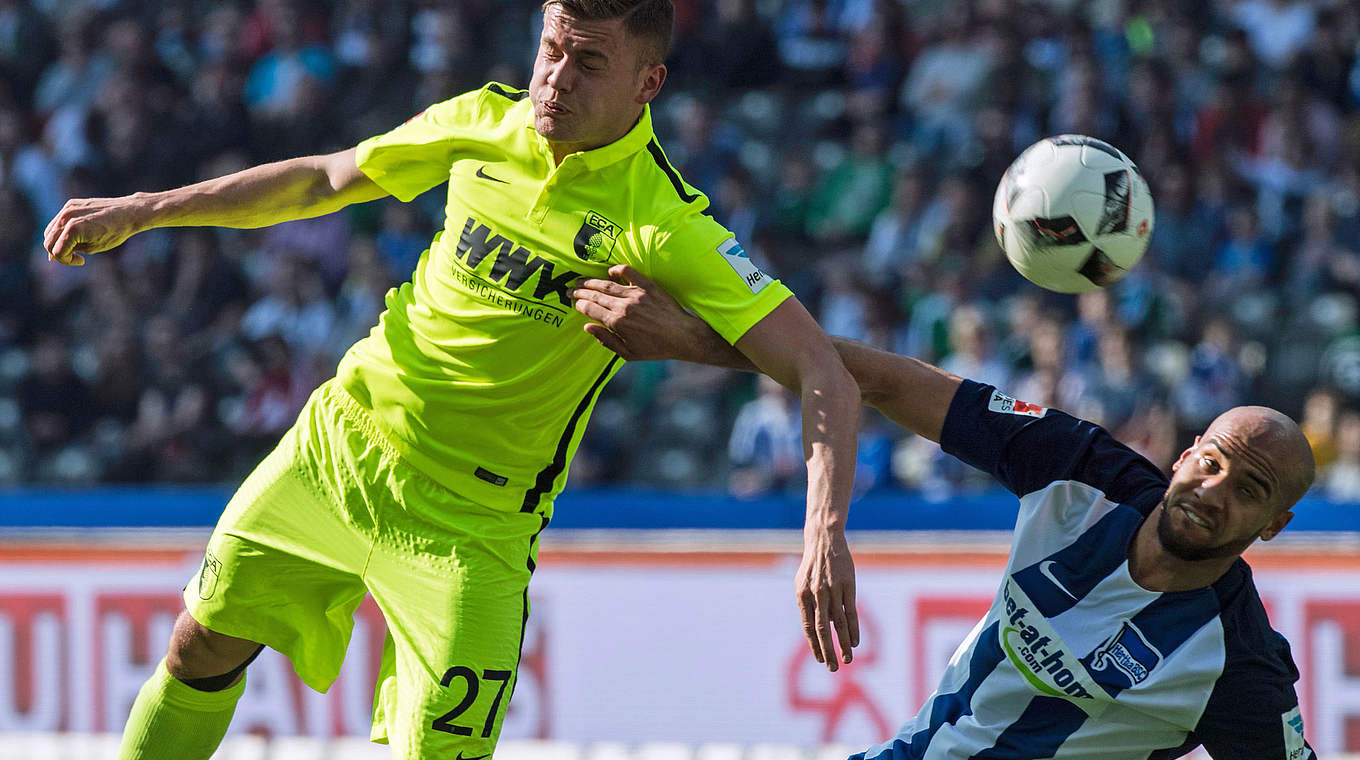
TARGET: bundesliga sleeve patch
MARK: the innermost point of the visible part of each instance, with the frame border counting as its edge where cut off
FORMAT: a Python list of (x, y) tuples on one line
[(755, 279), (1004, 404), (1294, 747)]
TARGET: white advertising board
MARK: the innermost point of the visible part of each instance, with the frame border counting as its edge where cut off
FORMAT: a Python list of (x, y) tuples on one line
[(626, 644)]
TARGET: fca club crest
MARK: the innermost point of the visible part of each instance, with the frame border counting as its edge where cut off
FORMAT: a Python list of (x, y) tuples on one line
[(596, 238)]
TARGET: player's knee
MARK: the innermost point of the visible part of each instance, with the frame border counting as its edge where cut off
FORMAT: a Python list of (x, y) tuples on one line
[(205, 659)]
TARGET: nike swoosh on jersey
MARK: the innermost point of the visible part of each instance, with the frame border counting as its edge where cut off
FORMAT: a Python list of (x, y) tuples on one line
[(460, 752), (481, 172), (1046, 571)]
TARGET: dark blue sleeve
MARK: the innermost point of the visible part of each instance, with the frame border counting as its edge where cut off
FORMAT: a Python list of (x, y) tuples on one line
[(1027, 447), (1253, 711)]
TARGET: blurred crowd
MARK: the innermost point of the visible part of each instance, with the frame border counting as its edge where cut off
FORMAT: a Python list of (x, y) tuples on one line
[(852, 145)]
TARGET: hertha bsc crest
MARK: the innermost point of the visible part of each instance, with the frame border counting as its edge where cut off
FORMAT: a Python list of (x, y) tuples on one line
[(596, 238)]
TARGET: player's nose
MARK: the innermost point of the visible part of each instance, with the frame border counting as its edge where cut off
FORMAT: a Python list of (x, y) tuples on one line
[(559, 75), (1211, 491)]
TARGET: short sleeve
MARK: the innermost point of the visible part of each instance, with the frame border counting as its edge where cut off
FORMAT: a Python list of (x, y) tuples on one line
[(1253, 711), (703, 265), (1027, 447), (417, 155)]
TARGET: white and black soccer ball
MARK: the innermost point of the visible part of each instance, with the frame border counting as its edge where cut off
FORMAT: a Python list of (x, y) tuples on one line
[(1072, 213)]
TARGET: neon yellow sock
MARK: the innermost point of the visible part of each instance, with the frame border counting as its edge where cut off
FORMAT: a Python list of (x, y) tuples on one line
[(171, 720)]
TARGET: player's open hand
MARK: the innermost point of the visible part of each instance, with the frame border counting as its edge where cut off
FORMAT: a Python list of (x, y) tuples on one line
[(634, 317), (89, 225), (826, 595)]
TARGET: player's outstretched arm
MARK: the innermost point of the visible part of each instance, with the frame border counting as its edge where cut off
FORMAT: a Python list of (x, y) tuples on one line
[(639, 320), (790, 347), (256, 197)]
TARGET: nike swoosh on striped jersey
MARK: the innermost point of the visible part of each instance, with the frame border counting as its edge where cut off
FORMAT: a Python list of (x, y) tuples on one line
[(1047, 572)]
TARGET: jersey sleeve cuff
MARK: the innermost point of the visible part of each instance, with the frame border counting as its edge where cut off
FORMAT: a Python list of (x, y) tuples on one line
[(363, 160), (732, 329)]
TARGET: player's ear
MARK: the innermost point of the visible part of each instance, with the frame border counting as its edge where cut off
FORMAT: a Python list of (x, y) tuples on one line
[(1176, 465), (650, 79), (1275, 526)]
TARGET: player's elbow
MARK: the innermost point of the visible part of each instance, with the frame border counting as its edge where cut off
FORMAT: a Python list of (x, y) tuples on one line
[(830, 382), (337, 181)]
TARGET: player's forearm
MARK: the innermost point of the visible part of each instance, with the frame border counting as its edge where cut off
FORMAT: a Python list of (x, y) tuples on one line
[(297, 188), (831, 408), (692, 340), (908, 391)]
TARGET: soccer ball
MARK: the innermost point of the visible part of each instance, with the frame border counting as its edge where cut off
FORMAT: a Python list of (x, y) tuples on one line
[(1072, 213)]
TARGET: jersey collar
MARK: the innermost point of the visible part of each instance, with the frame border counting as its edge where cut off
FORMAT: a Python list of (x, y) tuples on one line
[(635, 140)]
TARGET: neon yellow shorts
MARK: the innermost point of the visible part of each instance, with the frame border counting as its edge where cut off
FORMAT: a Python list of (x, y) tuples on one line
[(334, 512)]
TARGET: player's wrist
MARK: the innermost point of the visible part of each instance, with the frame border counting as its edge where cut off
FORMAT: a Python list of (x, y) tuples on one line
[(147, 211), (824, 522)]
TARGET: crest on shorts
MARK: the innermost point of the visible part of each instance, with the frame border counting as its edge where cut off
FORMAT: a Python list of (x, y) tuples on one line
[(596, 238), (207, 576)]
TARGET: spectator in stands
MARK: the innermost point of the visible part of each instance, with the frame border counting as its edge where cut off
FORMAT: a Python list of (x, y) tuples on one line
[(281, 80), (1320, 259), (812, 45), (295, 308), (360, 299), (1184, 229), (175, 432), (849, 196), (894, 237), (1319, 424), (1119, 386), (25, 166), (1050, 381), (708, 147), (972, 350), (401, 239), (1215, 382), (713, 59), (1341, 481), (57, 404), (735, 206), (945, 81), (16, 289), (1245, 260), (1277, 29), (766, 446), (80, 70), (1240, 116)]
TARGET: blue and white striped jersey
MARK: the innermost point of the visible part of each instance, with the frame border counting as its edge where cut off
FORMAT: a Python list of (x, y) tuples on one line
[(1076, 660)]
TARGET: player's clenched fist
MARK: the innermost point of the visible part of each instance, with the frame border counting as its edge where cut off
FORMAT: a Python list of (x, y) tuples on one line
[(90, 225)]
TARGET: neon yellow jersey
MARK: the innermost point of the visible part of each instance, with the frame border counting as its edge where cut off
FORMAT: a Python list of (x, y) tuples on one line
[(479, 371)]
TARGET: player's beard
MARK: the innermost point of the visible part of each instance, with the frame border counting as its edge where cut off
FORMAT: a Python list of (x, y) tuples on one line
[(1182, 548)]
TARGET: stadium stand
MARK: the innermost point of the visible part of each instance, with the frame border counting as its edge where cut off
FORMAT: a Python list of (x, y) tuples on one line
[(853, 143)]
